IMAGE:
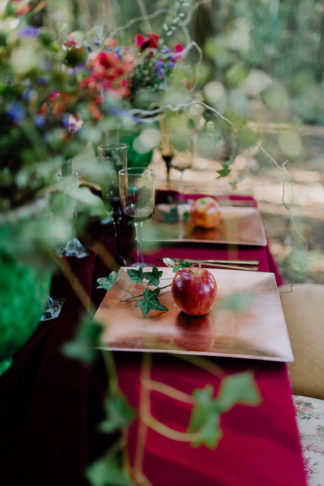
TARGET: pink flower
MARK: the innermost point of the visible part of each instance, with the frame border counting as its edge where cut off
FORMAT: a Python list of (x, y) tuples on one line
[(178, 48)]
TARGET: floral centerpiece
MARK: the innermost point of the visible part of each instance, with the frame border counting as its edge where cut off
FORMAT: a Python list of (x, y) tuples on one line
[(56, 97)]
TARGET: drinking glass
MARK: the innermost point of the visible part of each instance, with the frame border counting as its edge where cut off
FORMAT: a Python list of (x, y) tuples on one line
[(136, 188), (167, 151), (116, 156)]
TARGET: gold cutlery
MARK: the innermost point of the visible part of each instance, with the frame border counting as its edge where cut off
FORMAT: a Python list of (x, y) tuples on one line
[(251, 265)]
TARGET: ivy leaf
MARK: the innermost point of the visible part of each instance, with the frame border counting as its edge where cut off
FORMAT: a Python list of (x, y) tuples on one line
[(170, 217), (107, 283), (238, 388), (205, 418), (150, 301), (154, 276), (108, 471), (181, 264), (118, 414), (226, 170), (136, 275), (83, 345)]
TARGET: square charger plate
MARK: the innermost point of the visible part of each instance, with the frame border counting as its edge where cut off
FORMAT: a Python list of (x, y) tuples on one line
[(258, 332), (238, 226)]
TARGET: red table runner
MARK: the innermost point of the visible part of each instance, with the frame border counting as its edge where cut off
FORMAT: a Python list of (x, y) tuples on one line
[(50, 405), (260, 444)]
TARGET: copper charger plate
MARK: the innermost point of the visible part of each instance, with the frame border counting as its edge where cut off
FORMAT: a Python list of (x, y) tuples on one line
[(259, 332), (238, 226)]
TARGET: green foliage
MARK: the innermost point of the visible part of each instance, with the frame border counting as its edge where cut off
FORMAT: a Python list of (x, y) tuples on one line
[(108, 471), (82, 347), (136, 275), (118, 414), (205, 419), (179, 265), (154, 276), (150, 301), (107, 283), (23, 296), (169, 217)]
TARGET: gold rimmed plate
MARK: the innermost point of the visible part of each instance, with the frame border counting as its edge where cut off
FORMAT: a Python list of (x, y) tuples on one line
[(258, 332), (238, 226)]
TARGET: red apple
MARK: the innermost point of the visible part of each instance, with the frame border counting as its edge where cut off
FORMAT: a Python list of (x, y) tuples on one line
[(205, 212), (194, 290)]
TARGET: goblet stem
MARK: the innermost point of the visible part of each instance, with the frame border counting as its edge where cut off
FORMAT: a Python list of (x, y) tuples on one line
[(138, 230), (180, 210)]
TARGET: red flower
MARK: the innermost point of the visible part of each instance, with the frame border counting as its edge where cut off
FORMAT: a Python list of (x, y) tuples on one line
[(108, 73), (150, 42)]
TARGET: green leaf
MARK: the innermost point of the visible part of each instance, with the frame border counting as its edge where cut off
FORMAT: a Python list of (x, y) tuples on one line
[(108, 471), (136, 275), (82, 347), (107, 283), (181, 264), (205, 418), (150, 301), (170, 217), (118, 414), (226, 170), (154, 276), (238, 388), (237, 302)]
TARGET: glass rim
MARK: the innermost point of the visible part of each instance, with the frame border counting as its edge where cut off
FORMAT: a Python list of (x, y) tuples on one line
[(136, 171), (112, 146)]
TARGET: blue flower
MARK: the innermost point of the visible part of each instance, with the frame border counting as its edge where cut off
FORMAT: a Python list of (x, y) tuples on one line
[(39, 120), (16, 112)]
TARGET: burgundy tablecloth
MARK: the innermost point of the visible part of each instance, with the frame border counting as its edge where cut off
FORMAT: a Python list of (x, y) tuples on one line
[(50, 405)]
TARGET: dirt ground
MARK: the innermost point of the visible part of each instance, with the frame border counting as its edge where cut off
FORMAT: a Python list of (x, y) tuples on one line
[(291, 199)]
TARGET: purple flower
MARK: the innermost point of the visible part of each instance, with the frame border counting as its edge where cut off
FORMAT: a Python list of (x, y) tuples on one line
[(171, 63), (16, 112), (117, 50), (96, 43), (29, 31), (159, 67), (41, 81), (89, 48)]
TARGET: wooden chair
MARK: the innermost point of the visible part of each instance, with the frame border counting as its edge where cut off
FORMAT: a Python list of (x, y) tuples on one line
[(303, 306)]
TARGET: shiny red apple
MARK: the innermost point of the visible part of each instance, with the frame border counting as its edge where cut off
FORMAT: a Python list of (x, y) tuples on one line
[(194, 290), (205, 212)]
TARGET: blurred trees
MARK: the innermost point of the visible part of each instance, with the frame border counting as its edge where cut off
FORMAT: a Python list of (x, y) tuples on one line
[(268, 53)]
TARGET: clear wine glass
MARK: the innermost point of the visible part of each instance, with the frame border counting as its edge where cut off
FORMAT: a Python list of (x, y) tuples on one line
[(167, 152), (116, 156), (183, 152), (136, 187)]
